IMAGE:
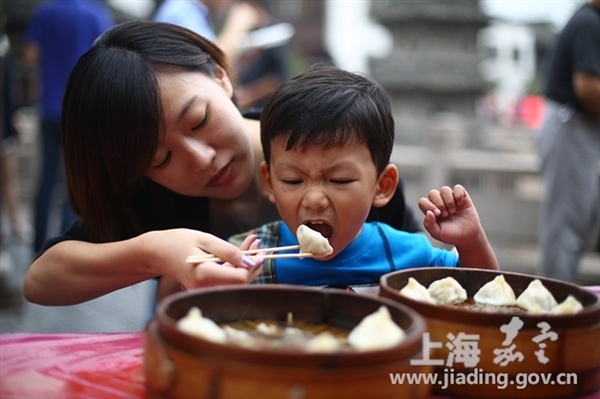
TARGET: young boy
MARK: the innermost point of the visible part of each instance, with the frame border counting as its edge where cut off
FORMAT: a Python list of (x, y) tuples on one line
[(327, 137)]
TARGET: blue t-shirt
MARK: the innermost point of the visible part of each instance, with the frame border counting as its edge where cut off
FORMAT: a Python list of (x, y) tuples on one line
[(378, 250), (64, 30), (191, 14)]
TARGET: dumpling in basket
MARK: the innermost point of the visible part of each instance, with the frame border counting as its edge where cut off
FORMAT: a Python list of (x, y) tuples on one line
[(324, 342), (447, 291), (197, 325), (568, 306), (536, 294), (496, 292), (416, 291), (376, 331)]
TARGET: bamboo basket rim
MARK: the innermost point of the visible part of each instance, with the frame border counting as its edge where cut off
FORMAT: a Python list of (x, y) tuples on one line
[(410, 346), (472, 279)]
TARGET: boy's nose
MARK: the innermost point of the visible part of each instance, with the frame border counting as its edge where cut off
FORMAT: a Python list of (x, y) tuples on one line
[(315, 198)]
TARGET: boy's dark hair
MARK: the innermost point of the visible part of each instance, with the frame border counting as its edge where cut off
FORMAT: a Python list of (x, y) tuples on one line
[(327, 106)]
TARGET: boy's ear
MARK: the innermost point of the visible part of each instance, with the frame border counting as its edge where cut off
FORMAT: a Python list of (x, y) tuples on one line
[(224, 80), (386, 185), (266, 179)]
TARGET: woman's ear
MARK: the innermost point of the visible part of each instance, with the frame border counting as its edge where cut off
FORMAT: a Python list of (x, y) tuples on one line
[(224, 80), (386, 185), (266, 179)]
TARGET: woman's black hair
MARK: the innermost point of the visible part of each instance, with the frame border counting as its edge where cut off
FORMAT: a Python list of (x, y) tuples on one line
[(112, 119)]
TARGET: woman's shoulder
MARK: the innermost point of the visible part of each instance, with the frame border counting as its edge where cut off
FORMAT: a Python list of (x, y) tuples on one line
[(77, 231)]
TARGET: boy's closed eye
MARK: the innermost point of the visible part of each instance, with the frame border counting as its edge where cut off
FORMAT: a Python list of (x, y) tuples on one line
[(342, 181), (294, 182), (291, 182)]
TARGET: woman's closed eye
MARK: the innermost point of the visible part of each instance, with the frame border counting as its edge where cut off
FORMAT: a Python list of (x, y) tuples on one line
[(203, 122), (164, 162)]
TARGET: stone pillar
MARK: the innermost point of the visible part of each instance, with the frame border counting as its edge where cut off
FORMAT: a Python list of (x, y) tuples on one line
[(446, 135), (433, 66)]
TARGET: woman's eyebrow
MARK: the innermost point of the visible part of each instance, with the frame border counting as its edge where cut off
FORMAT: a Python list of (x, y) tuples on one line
[(185, 108)]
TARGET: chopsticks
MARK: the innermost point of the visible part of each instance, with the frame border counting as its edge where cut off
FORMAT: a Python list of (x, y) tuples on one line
[(212, 258)]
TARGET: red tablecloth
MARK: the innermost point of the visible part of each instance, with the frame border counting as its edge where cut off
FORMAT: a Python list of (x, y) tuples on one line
[(78, 366)]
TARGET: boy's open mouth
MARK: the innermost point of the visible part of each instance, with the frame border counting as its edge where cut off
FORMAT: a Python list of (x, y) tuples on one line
[(322, 227)]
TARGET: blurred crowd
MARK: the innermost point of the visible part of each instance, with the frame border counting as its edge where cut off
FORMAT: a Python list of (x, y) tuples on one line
[(36, 62)]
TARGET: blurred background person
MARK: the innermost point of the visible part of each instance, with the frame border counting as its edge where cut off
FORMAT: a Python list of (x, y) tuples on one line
[(10, 296), (569, 145), (224, 22), (263, 66), (58, 34), (9, 142)]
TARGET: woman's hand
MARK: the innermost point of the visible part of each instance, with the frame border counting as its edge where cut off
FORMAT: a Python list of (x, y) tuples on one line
[(167, 251)]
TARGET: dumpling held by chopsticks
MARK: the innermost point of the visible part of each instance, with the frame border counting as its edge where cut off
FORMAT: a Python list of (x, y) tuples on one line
[(313, 242)]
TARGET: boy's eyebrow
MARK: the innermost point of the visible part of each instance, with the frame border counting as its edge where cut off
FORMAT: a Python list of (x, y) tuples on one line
[(186, 107), (340, 164)]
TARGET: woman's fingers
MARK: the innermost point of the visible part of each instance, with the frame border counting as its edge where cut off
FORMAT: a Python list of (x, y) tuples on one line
[(227, 251), (211, 274), (254, 273)]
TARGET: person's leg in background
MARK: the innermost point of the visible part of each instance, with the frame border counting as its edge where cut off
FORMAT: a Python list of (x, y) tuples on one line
[(569, 154), (10, 186)]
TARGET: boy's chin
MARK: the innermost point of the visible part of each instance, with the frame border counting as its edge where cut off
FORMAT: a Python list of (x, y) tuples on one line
[(328, 257)]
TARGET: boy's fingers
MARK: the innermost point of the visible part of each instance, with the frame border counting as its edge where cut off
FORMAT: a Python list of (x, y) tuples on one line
[(460, 194), (426, 205), (437, 199), (430, 223), (447, 195)]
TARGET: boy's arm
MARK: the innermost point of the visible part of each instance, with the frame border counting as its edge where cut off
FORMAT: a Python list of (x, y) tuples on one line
[(451, 217)]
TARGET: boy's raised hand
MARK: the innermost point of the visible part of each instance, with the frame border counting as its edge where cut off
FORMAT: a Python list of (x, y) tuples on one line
[(450, 216)]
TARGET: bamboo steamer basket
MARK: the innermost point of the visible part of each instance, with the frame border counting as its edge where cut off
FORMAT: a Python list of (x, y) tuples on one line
[(178, 365), (576, 348)]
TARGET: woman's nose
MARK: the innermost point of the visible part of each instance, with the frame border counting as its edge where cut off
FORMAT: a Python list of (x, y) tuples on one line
[(201, 155)]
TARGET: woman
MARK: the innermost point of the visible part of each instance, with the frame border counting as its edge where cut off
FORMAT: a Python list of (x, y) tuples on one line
[(157, 155)]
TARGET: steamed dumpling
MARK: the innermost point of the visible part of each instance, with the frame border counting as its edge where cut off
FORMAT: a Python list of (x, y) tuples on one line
[(376, 331), (568, 306), (313, 242), (536, 293), (496, 292), (197, 325), (447, 291), (325, 342), (536, 309), (416, 291)]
